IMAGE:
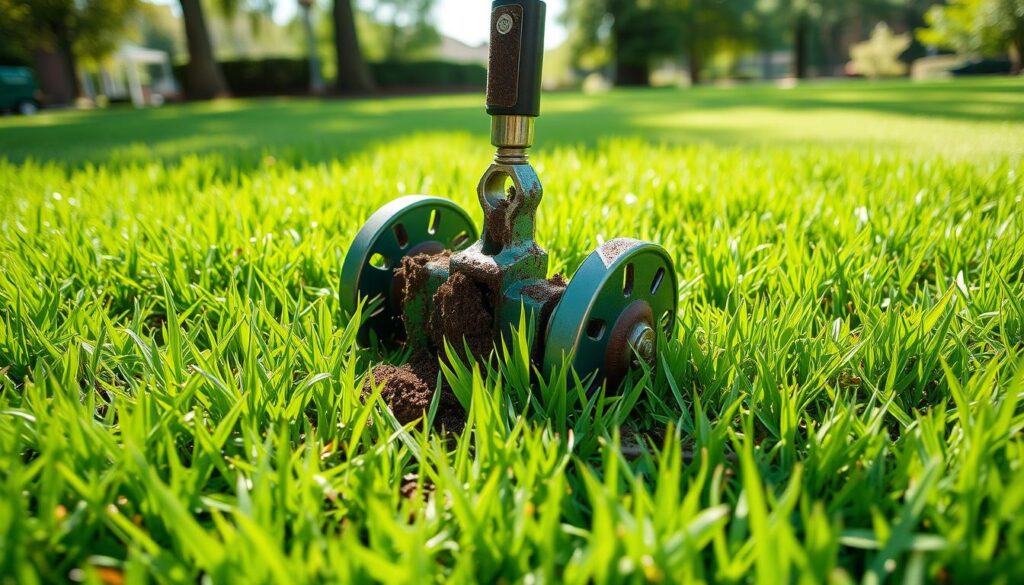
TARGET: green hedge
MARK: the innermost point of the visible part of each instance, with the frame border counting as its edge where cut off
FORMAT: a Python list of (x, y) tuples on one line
[(428, 74), (291, 76)]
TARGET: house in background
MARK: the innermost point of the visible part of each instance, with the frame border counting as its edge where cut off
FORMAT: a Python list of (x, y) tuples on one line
[(139, 74), (456, 51)]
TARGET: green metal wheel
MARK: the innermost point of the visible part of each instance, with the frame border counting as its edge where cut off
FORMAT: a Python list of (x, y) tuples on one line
[(407, 226), (609, 316)]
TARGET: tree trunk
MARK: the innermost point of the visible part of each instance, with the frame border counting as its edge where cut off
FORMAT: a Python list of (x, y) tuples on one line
[(836, 43), (393, 42), (1016, 56), (696, 63), (316, 81), (353, 75), (203, 77), (628, 73), (800, 48), (632, 75), (50, 67), (66, 51)]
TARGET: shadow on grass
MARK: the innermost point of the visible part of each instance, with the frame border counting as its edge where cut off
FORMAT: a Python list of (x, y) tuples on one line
[(312, 131)]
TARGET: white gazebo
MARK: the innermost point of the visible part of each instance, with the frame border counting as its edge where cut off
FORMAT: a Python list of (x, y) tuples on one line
[(124, 75)]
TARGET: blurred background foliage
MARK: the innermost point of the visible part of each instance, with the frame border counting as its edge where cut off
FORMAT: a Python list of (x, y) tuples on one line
[(363, 46)]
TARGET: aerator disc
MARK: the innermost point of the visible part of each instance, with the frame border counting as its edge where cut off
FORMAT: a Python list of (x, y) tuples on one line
[(415, 224), (609, 316)]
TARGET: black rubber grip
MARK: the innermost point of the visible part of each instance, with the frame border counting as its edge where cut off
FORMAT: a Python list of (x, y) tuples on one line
[(516, 57)]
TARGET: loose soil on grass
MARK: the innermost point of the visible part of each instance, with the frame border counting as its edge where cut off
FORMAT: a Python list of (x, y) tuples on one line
[(409, 389), (462, 314)]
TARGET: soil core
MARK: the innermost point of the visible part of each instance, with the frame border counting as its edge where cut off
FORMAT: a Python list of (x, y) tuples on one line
[(461, 313), (463, 316)]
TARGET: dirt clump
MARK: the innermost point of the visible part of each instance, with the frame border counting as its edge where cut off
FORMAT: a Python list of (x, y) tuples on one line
[(482, 269), (409, 389), (548, 293), (410, 483), (612, 249), (413, 273), (463, 312), (410, 277), (498, 230), (548, 290), (405, 393)]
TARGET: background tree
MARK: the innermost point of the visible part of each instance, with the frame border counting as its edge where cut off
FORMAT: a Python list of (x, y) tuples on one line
[(641, 35), (353, 76), (627, 33), (14, 48), (156, 27), (204, 79), (590, 24), (638, 32), (823, 30), (316, 84), (708, 25), (800, 14), (978, 27), (408, 26), (767, 27), (71, 29)]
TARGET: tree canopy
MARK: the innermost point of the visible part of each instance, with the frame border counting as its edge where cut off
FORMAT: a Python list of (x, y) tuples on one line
[(89, 28), (73, 30), (406, 26), (631, 34), (978, 27)]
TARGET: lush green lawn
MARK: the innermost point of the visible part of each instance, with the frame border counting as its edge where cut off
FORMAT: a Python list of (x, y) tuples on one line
[(181, 393), (979, 119)]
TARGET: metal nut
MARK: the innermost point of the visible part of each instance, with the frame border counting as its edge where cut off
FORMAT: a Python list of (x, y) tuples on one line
[(642, 340)]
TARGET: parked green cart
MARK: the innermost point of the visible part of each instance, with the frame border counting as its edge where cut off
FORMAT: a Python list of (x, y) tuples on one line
[(19, 91)]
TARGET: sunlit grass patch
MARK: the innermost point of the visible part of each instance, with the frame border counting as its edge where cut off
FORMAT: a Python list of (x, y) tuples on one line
[(182, 397)]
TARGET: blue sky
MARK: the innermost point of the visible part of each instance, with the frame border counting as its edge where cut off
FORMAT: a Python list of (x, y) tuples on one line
[(465, 20)]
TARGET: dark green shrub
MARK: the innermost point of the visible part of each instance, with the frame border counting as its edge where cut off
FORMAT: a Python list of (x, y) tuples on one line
[(281, 76), (428, 74)]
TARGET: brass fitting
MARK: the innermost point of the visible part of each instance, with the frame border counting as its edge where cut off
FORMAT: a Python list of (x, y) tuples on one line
[(512, 131), (512, 135)]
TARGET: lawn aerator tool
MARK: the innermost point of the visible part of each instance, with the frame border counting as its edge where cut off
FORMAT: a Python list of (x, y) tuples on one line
[(417, 254)]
